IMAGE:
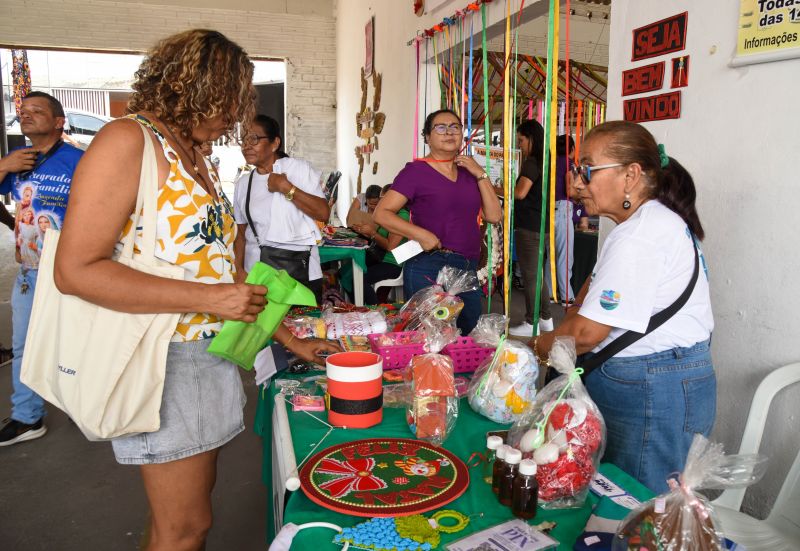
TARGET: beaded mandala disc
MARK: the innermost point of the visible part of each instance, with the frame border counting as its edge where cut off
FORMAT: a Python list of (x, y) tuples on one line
[(384, 477)]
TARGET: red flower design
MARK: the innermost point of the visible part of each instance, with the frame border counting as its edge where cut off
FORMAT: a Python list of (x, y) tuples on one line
[(355, 475)]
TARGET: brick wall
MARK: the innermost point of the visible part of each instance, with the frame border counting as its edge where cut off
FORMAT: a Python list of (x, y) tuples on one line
[(306, 42)]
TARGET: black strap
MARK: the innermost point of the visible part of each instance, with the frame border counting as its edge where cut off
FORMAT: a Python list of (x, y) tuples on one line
[(657, 320), (42, 158), (355, 407), (247, 206)]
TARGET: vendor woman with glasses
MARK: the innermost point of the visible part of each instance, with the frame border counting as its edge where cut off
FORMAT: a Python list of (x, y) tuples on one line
[(445, 193), (276, 207), (655, 385)]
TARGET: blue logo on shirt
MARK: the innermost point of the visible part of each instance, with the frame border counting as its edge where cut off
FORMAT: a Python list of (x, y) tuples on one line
[(609, 299)]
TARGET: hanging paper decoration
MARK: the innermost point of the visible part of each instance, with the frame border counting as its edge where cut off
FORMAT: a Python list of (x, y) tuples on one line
[(20, 77), (419, 7)]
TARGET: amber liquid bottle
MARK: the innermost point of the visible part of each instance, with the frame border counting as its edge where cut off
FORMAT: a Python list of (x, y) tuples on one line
[(513, 457), (492, 444), (525, 493), (497, 468)]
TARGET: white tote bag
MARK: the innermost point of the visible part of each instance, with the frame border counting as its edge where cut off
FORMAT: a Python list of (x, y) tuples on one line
[(104, 368)]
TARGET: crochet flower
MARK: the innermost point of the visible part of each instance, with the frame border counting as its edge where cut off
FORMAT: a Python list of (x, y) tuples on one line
[(355, 475)]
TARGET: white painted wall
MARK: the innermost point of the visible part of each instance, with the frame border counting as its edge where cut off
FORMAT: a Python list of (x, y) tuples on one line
[(738, 136), (395, 25), (299, 31)]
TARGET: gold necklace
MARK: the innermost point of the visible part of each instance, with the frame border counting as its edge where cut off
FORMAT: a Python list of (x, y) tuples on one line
[(197, 174)]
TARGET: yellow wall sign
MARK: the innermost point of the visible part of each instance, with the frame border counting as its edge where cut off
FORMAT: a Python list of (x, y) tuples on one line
[(768, 26)]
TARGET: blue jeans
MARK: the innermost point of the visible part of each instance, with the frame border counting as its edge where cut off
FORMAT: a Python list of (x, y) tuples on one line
[(26, 406), (421, 271), (565, 243), (653, 405)]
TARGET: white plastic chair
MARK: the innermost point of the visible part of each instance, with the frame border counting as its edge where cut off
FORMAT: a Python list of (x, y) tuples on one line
[(396, 284), (781, 529)]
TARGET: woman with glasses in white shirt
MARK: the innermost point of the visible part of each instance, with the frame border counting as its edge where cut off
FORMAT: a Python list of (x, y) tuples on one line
[(655, 386), (276, 206)]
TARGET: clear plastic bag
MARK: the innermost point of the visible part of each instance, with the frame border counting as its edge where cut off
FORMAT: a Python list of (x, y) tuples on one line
[(350, 324), (489, 329), (563, 432), (433, 411), (439, 301), (504, 386), (306, 327), (683, 520)]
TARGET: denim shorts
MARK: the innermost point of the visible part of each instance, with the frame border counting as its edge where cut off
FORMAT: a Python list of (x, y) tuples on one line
[(653, 406), (201, 408)]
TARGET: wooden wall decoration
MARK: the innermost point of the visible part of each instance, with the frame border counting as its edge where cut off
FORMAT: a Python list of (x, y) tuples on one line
[(369, 124)]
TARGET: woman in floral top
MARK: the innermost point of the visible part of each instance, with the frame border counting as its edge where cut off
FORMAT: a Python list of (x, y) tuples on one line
[(191, 88)]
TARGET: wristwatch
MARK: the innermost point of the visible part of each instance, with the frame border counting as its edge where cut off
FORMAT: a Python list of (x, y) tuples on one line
[(290, 194), (483, 176)]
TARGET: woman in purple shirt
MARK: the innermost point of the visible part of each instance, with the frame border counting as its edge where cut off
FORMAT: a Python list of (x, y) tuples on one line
[(445, 193)]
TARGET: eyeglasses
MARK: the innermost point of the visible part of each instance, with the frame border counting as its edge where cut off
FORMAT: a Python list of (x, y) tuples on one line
[(454, 128), (586, 171), (251, 140)]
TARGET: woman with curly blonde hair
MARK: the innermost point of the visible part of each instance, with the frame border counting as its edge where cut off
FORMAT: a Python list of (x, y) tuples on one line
[(191, 88)]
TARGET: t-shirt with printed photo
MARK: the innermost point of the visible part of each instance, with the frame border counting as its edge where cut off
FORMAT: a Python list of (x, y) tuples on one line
[(41, 196)]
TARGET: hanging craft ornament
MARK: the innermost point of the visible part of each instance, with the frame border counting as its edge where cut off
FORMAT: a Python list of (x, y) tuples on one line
[(384, 477)]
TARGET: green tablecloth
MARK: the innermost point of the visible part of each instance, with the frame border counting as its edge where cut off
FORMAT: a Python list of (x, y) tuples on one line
[(327, 254), (469, 436)]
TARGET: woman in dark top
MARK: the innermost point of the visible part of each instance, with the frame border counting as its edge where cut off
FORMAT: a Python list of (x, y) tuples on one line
[(527, 219)]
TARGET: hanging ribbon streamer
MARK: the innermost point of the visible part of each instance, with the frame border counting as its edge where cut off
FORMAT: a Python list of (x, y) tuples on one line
[(487, 132), (415, 144), (578, 130), (568, 107), (549, 119), (506, 154), (552, 64), (469, 93)]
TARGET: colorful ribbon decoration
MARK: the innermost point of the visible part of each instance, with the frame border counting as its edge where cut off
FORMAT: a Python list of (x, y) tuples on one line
[(549, 143), (456, 84)]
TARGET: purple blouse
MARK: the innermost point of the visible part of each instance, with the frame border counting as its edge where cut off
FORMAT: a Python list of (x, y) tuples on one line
[(447, 209)]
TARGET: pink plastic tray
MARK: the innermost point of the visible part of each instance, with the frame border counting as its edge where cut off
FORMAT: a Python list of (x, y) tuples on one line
[(398, 355), (467, 355)]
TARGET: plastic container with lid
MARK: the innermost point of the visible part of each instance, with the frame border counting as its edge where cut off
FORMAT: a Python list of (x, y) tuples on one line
[(492, 444), (525, 492), (497, 468), (513, 458)]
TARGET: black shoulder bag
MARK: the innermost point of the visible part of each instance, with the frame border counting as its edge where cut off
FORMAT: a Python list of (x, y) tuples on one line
[(657, 320), (294, 262)]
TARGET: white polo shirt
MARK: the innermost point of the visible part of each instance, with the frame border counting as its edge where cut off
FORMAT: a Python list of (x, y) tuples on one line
[(645, 264), (260, 208)]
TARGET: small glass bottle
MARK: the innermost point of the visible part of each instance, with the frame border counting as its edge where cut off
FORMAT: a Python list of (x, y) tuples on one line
[(513, 457), (492, 443), (525, 495), (497, 468)]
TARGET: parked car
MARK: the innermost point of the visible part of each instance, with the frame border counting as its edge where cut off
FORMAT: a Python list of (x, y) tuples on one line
[(81, 126)]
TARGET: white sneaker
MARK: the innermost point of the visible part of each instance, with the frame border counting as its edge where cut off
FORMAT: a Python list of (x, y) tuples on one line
[(545, 325), (524, 329)]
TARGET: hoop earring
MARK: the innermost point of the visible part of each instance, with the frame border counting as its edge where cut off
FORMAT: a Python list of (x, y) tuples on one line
[(626, 204)]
